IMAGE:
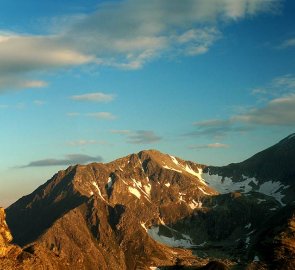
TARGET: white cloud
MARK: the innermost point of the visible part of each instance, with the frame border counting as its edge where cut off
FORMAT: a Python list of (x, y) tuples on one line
[(102, 115), (94, 97), (287, 43), (143, 137), (280, 86), (123, 34), (9, 82), (278, 112)]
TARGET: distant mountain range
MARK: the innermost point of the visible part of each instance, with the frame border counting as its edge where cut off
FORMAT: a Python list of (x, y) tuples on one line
[(152, 210)]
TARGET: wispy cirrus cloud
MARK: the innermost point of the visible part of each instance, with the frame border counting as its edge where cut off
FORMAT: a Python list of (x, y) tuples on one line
[(82, 142), (71, 159), (12, 82), (280, 86), (287, 43), (73, 114), (39, 102), (121, 131), (94, 97), (143, 137), (122, 34), (102, 115), (96, 115), (209, 146), (138, 136), (218, 128)]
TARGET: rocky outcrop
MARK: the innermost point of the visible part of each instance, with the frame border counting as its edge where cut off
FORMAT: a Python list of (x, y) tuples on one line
[(12, 257), (275, 243), (5, 235)]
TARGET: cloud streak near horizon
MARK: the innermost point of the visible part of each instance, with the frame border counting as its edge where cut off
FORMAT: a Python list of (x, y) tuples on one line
[(94, 97), (138, 136), (277, 109), (71, 159), (209, 146)]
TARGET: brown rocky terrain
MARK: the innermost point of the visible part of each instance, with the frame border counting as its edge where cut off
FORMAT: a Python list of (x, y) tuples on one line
[(151, 210), (114, 206)]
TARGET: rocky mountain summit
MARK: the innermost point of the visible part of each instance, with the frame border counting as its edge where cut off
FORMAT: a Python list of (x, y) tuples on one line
[(152, 210)]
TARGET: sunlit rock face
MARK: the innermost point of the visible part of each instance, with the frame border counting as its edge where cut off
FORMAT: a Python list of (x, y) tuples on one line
[(5, 235)]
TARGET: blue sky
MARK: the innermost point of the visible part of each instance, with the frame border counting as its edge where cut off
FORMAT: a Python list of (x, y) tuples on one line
[(81, 81)]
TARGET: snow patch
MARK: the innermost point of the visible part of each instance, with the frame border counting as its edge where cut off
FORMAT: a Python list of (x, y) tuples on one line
[(274, 189), (110, 182), (259, 201), (98, 190), (194, 204), (202, 244), (191, 171), (169, 241), (247, 241), (147, 189), (256, 259), (162, 221), (143, 190), (174, 160), (167, 184), (248, 226), (135, 192), (143, 226), (172, 169), (225, 185), (137, 183)]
